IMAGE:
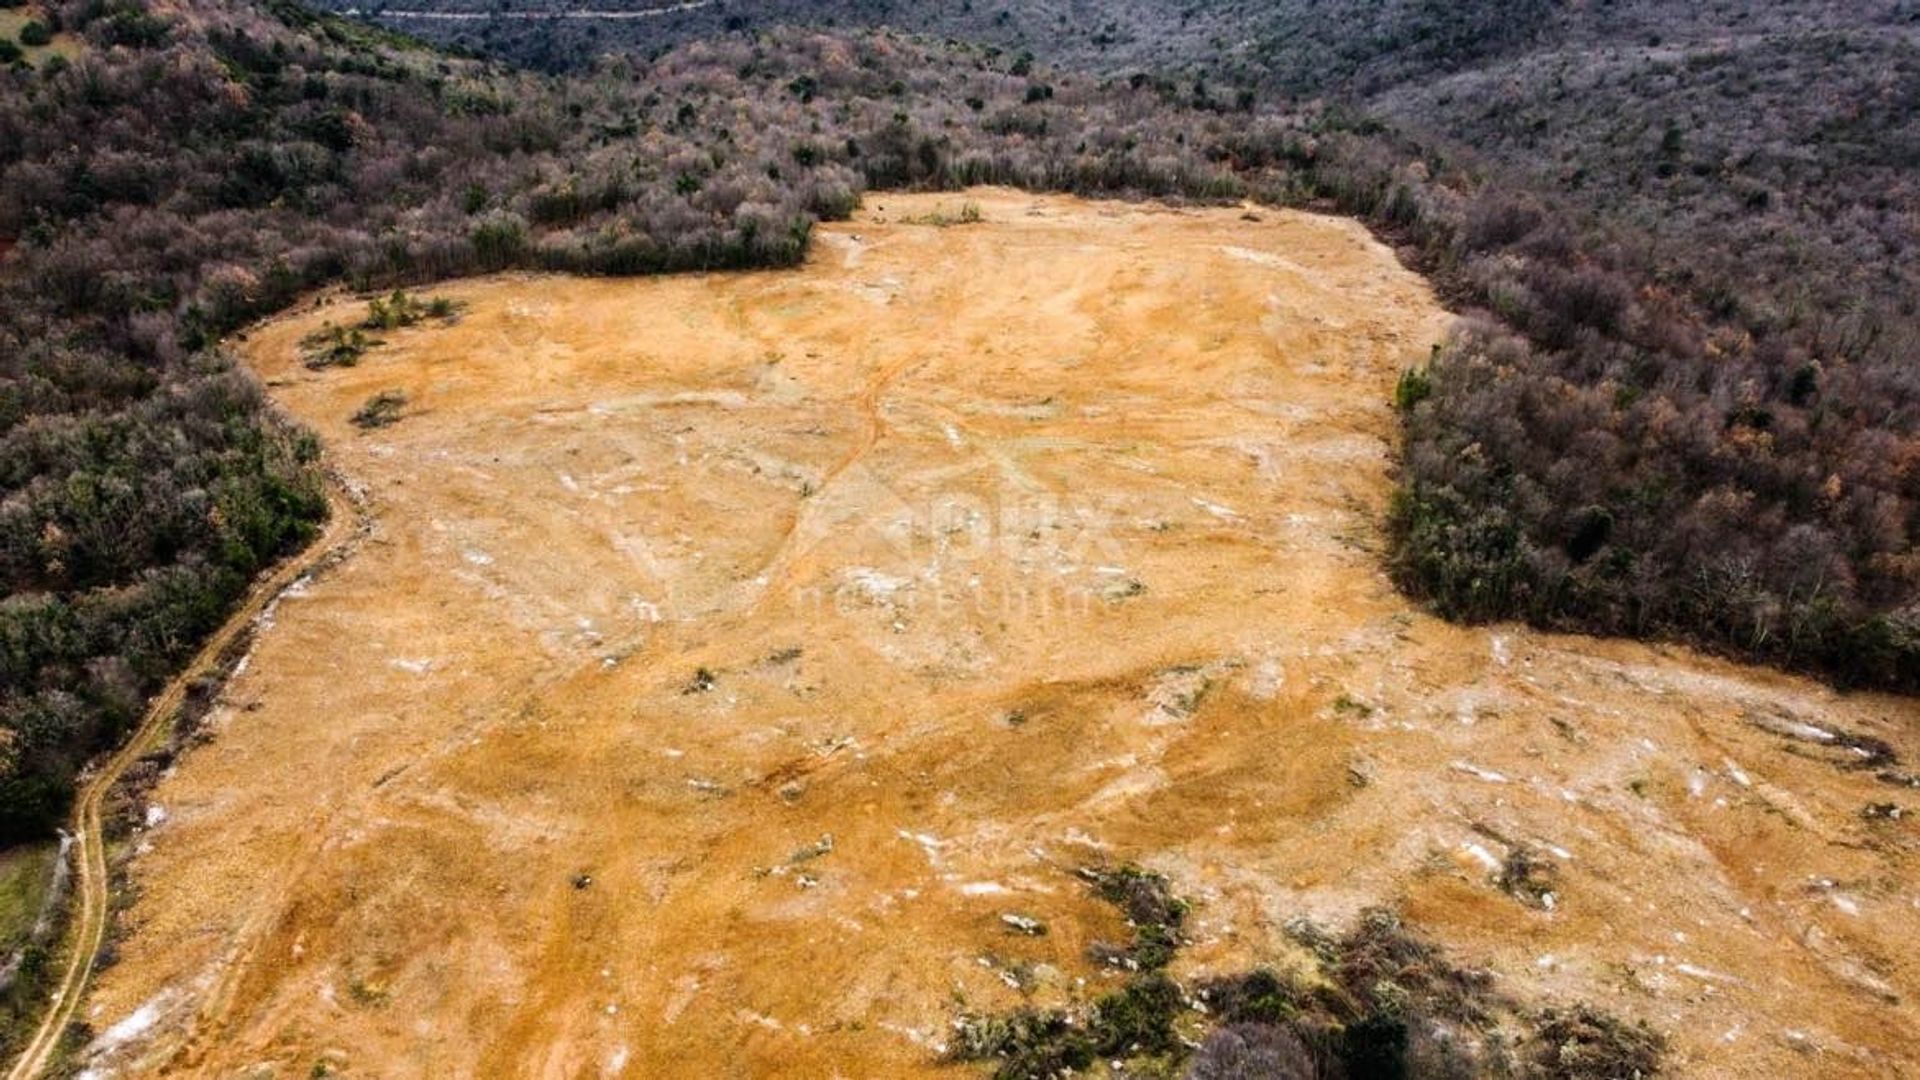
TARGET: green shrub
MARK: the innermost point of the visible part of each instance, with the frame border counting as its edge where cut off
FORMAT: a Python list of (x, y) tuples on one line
[(1027, 1042), (1413, 388), (381, 410), (36, 33), (1378, 1001), (1137, 1019), (1260, 996), (1253, 1052), (402, 309), (335, 346), (1583, 1043)]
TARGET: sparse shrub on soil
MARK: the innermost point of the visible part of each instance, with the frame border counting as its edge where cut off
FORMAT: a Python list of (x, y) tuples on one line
[(1348, 705), (1385, 967), (335, 346), (1138, 1020), (403, 309), (1152, 910), (1582, 1043), (381, 409), (1260, 996), (1379, 1002), (1026, 1043), (371, 993), (969, 214), (1529, 876)]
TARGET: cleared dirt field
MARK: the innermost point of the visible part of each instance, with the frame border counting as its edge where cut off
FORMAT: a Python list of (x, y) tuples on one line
[(731, 653)]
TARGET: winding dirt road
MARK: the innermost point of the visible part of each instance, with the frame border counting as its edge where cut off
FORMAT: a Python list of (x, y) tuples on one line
[(88, 929)]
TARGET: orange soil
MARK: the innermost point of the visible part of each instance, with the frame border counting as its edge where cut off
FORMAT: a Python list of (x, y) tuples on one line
[(1008, 547)]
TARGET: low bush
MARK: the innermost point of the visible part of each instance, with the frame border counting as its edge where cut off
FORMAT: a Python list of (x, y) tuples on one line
[(1253, 1051), (1582, 1043), (335, 346), (1378, 1001), (381, 410), (402, 309)]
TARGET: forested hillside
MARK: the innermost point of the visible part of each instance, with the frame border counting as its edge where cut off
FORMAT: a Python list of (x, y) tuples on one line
[(1750, 479), (1690, 408)]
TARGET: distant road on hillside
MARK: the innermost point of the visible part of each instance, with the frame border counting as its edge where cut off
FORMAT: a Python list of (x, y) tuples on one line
[(487, 16)]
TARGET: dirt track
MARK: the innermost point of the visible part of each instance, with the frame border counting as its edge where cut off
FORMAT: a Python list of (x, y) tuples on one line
[(86, 935), (984, 551)]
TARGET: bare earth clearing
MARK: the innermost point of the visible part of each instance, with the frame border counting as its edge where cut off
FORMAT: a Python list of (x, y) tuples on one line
[(986, 551)]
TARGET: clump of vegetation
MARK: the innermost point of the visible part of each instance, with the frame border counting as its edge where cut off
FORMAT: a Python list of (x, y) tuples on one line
[(1583, 1043), (969, 214), (1260, 996), (810, 852), (1413, 388), (403, 309), (369, 992), (1377, 1001), (1026, 1043), (335, 346), (1347, 705), (1152, 911), (1253, 1052), (1529, 876), (1136, 1021), (381, 410)]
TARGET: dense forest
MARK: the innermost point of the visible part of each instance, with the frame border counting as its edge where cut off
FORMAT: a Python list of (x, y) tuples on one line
[(1686, 405)]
